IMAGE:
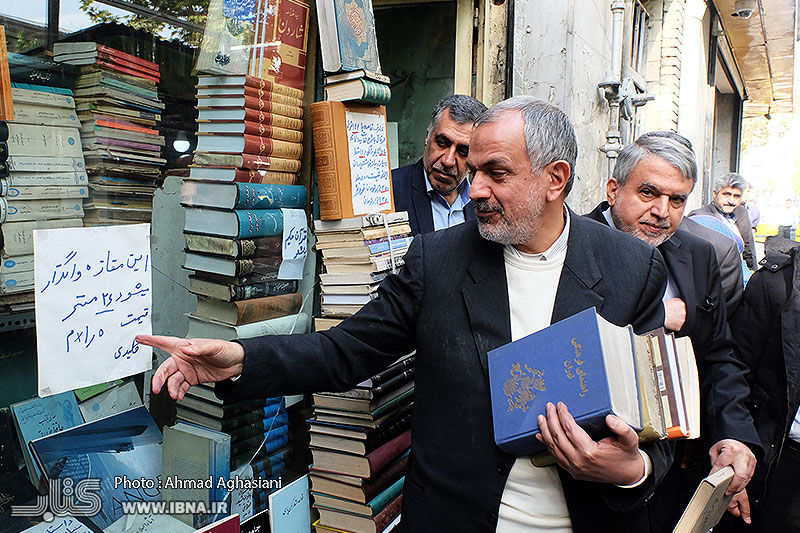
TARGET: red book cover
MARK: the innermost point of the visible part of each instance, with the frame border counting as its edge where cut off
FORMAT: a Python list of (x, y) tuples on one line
[(252, 102), (281, 41), (127, 64), (389, 451), (281, 134), (120, 125), (246, 161), (125, 70), (255, 83), (253, 116), (270, 147), (149, 65)]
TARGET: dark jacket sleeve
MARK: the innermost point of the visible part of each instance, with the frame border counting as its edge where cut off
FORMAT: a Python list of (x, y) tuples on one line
[(340, 358), (723, 384)]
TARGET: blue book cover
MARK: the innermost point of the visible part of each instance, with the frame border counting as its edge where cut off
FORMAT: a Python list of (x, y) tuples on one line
[(269, 196), (584, 361), (358, 44), (290, 508), (40, 417), (125, 444), (397, 243), (259, 222)]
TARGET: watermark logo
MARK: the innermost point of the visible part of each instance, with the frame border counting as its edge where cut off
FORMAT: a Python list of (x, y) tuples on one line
[(65, 497)]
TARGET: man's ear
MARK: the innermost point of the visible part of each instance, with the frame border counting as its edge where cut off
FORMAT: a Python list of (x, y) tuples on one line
[(612, 189), (557, 176)]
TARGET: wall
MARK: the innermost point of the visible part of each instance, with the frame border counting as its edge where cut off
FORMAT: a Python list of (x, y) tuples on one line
[(561, 52)]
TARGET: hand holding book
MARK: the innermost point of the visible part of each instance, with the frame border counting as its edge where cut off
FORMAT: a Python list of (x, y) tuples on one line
[(613, 459), (193, 361), (729, 452)]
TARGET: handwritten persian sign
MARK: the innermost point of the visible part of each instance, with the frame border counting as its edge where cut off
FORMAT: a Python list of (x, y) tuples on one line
[(93, 296), (369, 162), (295, 244)]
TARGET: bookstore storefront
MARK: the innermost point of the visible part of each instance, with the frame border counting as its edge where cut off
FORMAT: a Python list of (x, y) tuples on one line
[(164, 165)]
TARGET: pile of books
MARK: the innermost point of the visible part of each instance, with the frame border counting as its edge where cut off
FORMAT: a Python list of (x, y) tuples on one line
[(358, 86), (359, 443), (44, 181), (120, 111), (357, 254), (234, 218), (649, 381), (257, 432)]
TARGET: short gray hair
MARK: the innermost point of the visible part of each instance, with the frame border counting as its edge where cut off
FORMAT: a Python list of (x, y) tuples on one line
[(731, 179), (549, 135), (668, 145), (463, 110)]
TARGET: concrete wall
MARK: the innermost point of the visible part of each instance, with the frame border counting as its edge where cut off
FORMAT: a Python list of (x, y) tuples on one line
[(696, 101), (561, 52)]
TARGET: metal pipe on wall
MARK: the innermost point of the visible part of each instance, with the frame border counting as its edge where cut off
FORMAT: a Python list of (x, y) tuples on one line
[(611, 85)]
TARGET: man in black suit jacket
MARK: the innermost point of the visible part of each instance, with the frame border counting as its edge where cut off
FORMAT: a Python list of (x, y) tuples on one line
[(452, 303), (434, 190), (651, 182)]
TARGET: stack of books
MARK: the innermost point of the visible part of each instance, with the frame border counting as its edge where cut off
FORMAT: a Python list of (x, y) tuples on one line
[(44, 181), (120, 111), (597, 368), (359, 443), (358, 86), (357, 253), (258, 429)]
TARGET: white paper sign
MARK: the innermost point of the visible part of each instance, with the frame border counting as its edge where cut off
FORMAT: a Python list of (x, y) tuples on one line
[(60, 524), (242, 497), (295, 244), (93, 296), (369, 162)]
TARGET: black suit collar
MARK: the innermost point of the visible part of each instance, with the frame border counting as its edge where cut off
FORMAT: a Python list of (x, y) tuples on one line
[(421, 200), (486, 293)]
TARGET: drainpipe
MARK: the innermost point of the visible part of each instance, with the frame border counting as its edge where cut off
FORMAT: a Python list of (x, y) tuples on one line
[(611, 86)]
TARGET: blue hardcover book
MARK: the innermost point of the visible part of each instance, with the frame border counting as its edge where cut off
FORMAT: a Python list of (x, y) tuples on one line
[(237, 224), (40, 417), (584, 361), (358, 44), (44, 88), (242, 195), (126, 445)]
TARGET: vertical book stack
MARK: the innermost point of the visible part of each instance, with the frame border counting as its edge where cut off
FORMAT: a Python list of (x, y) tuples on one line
[(358, 253), (257, 430), (359, 443), (119, 109), (45, 178)]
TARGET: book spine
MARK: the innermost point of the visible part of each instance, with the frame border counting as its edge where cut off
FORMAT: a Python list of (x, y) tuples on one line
[(18, 236), (17, 263), (131, 62), (128, 144), (268, 307), (264, 117), (389, 451), (394, 370), (325, 151), (246, 90), (275, 164), (130, 88), (45, 164), (375, 93), (45, 115), (42, 97), (125, 70), (273, 132), (259, 83), (260, 223), (267, 196), (27, 140), (275, 458), (393, 383), (108, 51), (123, 125), (267, 147), (115, 133), (23, 210), (255, 176), (269, 471), (272, 288), (253, 104), (389, 513), (387, 496), (6, 100), (47, 192)]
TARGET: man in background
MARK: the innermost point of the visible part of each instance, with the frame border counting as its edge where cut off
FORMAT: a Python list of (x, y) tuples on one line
[(647, 194), (434, 190), (728, 192)]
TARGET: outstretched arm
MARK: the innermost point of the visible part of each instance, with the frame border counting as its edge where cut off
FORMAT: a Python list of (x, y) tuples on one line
[(193, 361)]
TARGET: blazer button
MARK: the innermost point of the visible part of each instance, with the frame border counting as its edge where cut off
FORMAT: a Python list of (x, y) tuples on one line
[(502, 469)]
